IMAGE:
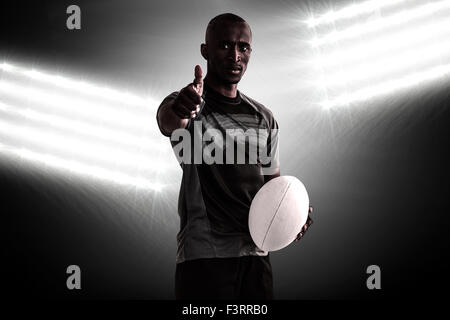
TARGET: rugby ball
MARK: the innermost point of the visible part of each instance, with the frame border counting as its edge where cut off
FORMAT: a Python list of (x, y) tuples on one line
[(278, 212)]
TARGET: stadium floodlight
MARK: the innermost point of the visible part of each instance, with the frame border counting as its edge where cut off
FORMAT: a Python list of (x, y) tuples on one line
[(72, 166), (389, 86), (386, 44), (77, 147), (383, 23), (7, 67), (73, 105), (389, 64), (392, 51), (80, 127), (351, 11), (77, 85)]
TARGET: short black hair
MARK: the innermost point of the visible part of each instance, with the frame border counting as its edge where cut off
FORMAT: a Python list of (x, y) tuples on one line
[(223, 18)]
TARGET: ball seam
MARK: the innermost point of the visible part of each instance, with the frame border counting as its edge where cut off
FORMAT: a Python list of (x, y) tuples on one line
[(276, 212)]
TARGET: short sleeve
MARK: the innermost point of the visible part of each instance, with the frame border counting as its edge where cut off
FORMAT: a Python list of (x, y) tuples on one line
[(171, 97)]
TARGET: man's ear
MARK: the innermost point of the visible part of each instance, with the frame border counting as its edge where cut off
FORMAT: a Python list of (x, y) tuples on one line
[(204, 51)]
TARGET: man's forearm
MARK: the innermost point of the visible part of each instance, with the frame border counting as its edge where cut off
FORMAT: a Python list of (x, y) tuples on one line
[(276, 174), (168, 120)]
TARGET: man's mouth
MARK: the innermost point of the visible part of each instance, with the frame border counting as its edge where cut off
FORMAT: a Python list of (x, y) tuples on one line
[(236, 69)]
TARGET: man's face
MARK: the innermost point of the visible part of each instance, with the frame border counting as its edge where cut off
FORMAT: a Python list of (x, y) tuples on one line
[(228, 52)]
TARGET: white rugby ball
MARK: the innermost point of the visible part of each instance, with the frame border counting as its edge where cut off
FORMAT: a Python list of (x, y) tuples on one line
[(278, 212)]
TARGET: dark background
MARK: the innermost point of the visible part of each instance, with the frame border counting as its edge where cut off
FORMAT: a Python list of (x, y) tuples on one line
[(377, 173)]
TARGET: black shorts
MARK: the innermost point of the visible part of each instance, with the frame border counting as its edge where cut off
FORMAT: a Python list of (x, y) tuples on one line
[(247, 277)]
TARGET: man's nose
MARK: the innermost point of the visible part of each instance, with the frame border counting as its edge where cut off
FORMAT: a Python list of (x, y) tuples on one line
[(235, 54)]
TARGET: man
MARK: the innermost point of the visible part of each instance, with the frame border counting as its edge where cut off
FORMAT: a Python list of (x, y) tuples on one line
[(216, 257)]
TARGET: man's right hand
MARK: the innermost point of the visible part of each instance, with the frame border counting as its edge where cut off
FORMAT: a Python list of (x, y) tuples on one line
[(187, 103)]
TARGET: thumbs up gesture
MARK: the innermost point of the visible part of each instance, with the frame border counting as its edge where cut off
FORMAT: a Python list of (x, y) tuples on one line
[(187, 103), (198, 80)]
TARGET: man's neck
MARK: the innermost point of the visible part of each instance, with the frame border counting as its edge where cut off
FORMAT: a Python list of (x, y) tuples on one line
[(227, 90)]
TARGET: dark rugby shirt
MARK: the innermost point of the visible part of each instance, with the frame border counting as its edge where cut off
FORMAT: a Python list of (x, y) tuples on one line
[(215, 197)]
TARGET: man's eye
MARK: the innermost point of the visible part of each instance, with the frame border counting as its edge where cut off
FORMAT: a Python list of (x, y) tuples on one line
[(245, 48), (225, 45)]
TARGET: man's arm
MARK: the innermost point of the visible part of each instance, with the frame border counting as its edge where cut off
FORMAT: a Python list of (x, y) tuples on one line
[(267, 178), (175, 113), (168, 120)]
